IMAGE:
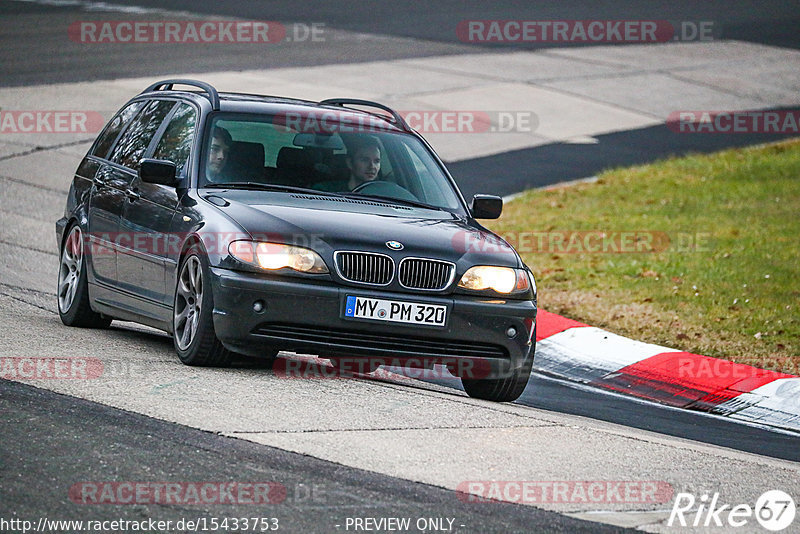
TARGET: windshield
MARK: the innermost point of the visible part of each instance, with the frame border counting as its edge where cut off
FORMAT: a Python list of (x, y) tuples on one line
[(327, 157)]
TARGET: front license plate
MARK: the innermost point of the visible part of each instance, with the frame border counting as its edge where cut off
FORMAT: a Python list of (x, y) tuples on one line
[(395, 311)]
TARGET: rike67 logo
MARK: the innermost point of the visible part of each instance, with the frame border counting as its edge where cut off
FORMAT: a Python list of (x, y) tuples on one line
[(774, 510)]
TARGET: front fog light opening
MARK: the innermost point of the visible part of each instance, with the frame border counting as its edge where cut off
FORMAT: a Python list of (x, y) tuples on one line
[(259, 306), (511, 332)]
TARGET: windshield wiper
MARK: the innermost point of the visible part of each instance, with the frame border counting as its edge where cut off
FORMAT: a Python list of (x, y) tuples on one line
[(306, 190), (414, 203), (271, 187)]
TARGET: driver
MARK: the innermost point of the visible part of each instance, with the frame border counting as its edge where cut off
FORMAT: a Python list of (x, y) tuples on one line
[(364, 162)]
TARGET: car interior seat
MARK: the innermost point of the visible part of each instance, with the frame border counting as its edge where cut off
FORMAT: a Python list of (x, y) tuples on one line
[(245, 162), (295, 166)]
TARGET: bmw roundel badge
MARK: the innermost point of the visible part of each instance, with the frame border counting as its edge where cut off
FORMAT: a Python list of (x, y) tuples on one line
[(394, 245)]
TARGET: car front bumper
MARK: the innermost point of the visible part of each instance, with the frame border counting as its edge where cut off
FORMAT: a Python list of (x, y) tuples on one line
[(307, 316)]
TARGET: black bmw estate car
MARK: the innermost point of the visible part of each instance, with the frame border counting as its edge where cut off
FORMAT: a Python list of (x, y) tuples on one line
[(251, 224)]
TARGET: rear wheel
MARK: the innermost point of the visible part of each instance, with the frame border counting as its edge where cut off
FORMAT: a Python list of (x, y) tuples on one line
[(192, 325), (505, 389), (73, 287)]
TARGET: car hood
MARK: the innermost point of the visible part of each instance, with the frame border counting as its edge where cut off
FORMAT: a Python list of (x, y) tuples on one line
[(328, 224)]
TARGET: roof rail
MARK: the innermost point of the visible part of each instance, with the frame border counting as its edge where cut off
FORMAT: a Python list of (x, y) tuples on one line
[(398, 119), (166, 85)]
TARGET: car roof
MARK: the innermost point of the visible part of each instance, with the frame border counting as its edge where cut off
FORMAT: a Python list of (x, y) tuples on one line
[(233, 102), (250, 103)]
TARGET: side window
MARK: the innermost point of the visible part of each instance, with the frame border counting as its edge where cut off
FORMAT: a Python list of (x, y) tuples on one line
[(176, 143), (131, 147), (112, 129)]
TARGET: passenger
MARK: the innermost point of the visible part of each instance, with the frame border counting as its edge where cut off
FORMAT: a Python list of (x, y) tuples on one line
[(218, 154), (364, 162)]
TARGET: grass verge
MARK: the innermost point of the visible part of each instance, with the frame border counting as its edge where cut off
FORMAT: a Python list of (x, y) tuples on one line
[(698, 253)]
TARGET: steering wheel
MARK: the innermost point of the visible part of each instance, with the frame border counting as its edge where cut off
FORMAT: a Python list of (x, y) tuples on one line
[(385, 188), (364, 185)]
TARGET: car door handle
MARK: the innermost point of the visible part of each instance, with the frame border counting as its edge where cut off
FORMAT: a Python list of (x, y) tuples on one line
[(132, 195)]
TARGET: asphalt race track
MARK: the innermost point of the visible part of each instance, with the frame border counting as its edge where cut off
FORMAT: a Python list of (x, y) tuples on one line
[(368, 447), (77, 436)]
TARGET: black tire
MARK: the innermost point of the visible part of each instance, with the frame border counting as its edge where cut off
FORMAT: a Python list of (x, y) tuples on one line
[(72, 292), (502, 389), (192, 325)]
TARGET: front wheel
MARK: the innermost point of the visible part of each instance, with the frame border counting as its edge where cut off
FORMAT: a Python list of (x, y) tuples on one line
[(192, 325), (73, 287), (505, 389)]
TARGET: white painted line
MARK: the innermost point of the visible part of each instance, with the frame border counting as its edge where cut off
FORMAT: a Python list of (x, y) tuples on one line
[(776, 403), (509, 198), (106, 7), (570, 183), (582, 355), (559, 185), (581, 140), (588, 353), (594, 390)]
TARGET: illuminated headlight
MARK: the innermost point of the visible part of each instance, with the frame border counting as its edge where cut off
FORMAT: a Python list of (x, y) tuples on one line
[(503, 280), (273, 256)]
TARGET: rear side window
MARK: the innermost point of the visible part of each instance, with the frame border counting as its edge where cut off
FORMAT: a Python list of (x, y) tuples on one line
[(131, 147), (113, 128), (176, 143)]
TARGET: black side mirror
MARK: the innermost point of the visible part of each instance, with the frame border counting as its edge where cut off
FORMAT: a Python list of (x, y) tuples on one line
[(486, 206), (158, 171)]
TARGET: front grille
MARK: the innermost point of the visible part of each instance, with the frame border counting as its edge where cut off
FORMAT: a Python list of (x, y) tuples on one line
[(421, 273), (365, 267), (383, 343)]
